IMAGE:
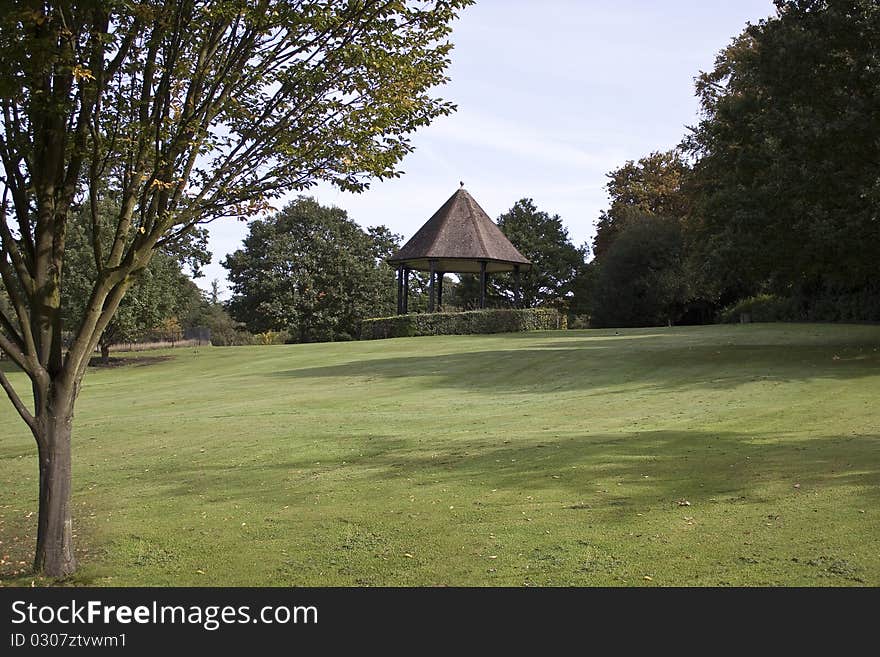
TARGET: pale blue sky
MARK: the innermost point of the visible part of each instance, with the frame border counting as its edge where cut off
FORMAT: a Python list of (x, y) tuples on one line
[(551, 96)]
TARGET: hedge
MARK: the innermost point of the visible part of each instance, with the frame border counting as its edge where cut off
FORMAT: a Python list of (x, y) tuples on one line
[(463, 323)]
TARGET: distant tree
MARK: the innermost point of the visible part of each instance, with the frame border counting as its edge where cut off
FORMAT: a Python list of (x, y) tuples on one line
[(159, 291), (788, 146), (169, 330), (466, 294), (654, 186), (542, 239), (650, 199), (181, 113), (225, 331), (311, 271), (640, 280)]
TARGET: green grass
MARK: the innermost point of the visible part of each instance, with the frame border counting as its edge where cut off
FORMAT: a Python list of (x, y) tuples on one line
[(559, 458)]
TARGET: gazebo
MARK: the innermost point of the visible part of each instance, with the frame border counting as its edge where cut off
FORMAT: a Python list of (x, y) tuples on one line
[(460, 239)]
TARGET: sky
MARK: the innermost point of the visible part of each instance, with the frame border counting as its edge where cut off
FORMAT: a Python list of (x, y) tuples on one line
[(551, 96)]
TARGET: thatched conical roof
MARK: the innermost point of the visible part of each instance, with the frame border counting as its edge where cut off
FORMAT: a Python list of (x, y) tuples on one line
[(459, 236)]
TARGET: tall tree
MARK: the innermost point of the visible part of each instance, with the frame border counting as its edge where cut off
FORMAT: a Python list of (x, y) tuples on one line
[(640, 280), (542, 239), (312, 271), (653, 186), (178, 112), (788, 145)]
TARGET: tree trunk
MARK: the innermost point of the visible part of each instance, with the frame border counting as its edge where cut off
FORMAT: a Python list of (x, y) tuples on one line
[(54, 555), (105, 353)]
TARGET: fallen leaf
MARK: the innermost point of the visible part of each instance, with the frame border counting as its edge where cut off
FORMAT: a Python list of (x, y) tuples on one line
[(650, 579)]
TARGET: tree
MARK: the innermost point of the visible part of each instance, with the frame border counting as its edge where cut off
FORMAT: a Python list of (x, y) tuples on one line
[(652, 187), (542, 239), (159, 291), (177, 113), (640, 280), (465, 295), (311, 271), (786, 184)]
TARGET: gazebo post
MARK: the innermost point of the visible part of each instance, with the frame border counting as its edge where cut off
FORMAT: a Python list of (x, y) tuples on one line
[(432, 264), (406, 290), (482, 284), (516, 286), (400, 290), (439, 291)]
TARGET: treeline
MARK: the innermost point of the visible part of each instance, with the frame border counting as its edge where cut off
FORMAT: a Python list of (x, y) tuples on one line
[(310, 274), (770, 206), (163, 303)]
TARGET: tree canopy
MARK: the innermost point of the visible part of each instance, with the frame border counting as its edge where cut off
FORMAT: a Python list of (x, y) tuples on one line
[(313, 272), (640, 279), (653, 186), (638, 275), (542, 239), (786, 185), (178, 113)]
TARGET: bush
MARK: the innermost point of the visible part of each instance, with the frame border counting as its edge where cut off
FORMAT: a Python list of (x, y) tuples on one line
[(762, 308), (464, 323), (233, 338), (578, 321), (271, 337)]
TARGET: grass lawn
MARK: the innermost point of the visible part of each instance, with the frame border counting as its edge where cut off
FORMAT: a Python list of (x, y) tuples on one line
[(719, 455)]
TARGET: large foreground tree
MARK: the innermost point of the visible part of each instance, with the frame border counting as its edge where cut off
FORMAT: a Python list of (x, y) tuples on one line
[(158, 292), (177, 112)]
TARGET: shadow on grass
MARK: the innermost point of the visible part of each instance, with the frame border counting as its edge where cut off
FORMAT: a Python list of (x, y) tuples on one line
[(8, 367), (584, 470), (591, 364), (603, 477)]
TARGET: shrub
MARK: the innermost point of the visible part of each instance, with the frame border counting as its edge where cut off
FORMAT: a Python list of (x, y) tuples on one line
[(271, 337), (762, 308), (464, 323), (578, 321), (233, 338)]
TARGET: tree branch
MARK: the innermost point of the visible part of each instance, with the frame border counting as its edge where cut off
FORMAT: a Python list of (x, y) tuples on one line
[(19, 405)]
